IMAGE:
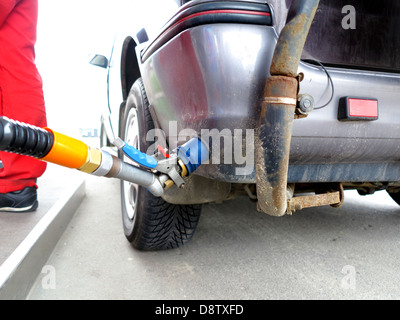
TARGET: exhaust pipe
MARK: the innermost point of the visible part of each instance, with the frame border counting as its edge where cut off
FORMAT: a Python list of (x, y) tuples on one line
[(278, 109), (50, 146)]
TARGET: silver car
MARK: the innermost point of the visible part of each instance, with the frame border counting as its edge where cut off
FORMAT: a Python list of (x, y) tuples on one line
[(296, 102)]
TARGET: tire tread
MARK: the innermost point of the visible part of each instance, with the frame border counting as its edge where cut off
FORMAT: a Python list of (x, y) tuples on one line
[(158, 224)]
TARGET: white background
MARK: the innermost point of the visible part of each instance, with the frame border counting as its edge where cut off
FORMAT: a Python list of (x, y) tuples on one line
[(68, 33)]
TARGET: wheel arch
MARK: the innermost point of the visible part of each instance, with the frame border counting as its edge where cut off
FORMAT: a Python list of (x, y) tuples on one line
[(130, 70)]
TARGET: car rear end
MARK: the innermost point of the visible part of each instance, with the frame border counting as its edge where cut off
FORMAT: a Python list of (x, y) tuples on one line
[(207, 69)]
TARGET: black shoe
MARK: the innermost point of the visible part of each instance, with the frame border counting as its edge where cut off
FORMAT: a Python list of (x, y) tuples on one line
[(19, 201)]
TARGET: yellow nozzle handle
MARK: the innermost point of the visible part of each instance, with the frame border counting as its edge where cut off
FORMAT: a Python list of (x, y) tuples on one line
[(67, 151)]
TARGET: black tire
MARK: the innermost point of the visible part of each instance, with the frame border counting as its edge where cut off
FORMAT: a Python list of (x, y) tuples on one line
[(395, 196), (149, 222)]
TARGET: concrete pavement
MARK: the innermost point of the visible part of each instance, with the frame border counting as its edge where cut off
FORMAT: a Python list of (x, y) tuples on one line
[(237, 253), (27, 239)]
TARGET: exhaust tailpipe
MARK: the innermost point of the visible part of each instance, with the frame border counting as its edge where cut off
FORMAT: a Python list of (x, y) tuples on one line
[(278, 109)]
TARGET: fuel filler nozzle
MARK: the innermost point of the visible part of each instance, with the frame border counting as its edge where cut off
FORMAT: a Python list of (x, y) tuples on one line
[(148, 171)]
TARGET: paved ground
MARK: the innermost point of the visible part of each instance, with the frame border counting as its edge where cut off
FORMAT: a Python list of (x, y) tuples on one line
[(236, 253), (53, 185)]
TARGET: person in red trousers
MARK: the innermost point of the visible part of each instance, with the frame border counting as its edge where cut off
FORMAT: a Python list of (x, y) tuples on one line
[(21, 99)]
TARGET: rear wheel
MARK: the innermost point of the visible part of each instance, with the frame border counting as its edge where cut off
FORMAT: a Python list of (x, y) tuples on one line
[(149, 222)]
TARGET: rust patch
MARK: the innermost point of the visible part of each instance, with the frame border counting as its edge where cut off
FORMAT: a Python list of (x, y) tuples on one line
[(279, 86)]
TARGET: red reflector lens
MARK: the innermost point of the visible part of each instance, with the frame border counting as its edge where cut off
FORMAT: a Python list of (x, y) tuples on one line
[(358, 109), (363, 108)]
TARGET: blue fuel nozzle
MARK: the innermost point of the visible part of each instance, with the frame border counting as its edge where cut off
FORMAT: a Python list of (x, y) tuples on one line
[(193, 153), (136, 155)]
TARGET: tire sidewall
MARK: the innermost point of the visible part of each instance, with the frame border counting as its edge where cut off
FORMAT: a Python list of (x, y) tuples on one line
[(136, 99)]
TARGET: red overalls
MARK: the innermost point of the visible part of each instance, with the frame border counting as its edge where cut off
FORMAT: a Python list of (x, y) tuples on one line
[(21, 93)]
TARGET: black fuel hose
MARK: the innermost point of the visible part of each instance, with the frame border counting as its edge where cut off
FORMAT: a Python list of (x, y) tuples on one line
[(24, 139)]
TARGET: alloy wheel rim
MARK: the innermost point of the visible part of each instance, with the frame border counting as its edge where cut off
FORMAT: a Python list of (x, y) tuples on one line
[(132, 138)]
